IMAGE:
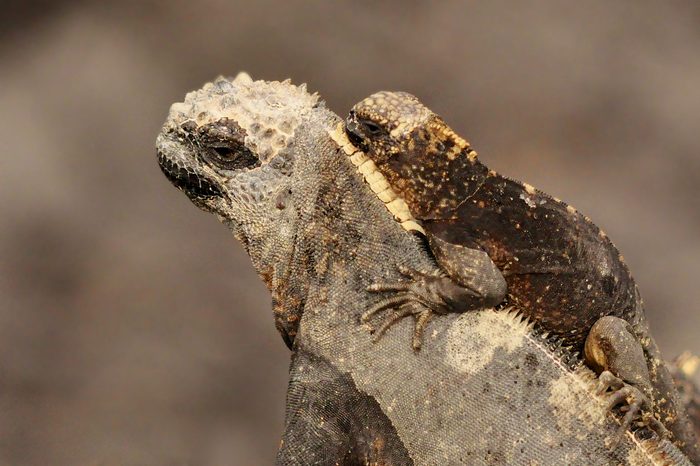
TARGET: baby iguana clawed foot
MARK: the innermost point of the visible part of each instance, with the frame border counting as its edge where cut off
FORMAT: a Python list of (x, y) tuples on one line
[(634, 401), (421, 295), (613, 350)]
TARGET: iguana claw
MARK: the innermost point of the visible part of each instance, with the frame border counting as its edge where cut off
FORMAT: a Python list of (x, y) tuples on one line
[(417, 297), (634, 401)]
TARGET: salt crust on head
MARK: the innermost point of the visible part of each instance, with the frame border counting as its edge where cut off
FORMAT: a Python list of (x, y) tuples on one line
[(269, 112)]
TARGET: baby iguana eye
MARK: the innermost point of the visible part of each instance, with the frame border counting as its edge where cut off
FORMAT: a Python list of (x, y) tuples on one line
[(372, 128)]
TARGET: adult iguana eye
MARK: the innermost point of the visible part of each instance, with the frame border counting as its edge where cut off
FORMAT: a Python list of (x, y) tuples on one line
[(223, 144), (224, 153), (233, 157)]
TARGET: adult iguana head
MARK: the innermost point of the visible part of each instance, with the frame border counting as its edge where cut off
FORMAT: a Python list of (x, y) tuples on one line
[(230, 148), (263, 157), (228, 133)]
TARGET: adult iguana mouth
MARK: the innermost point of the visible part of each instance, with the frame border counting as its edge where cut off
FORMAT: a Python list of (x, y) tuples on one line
[(376, 181)]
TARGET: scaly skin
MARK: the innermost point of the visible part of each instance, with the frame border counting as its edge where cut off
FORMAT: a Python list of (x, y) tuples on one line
[(490, 234), (270, 161)]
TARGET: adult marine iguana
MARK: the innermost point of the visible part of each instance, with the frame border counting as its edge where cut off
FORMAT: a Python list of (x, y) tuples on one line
[(271, 162)]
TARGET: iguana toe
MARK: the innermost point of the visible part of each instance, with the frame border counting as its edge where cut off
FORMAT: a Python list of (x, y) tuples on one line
[(631, 401), (418, 296), (401, 306), (385, 304)]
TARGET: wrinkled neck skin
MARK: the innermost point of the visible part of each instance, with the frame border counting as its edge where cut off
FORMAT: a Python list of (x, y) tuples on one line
[(316, 229)]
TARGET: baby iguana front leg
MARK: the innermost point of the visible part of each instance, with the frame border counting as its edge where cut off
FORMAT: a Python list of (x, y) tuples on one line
[(473, 282)]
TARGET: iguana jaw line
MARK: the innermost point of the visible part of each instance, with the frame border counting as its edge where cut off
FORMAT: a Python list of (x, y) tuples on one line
[(377, 182)]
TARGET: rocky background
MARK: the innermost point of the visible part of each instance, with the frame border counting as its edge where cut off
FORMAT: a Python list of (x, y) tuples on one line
[(133, 330)]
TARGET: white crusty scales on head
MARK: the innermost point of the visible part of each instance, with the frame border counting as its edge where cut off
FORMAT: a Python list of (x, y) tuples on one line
[(228, 148), (270, 161), (498, 240)]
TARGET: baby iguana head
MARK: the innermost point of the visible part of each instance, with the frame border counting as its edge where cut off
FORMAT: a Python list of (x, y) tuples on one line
[(423, 160)]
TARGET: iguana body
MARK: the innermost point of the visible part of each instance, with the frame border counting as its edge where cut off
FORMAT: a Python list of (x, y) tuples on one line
[(490, 234), (488, 390)]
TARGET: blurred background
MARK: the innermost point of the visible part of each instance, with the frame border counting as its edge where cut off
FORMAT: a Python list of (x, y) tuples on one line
[(133, 330)]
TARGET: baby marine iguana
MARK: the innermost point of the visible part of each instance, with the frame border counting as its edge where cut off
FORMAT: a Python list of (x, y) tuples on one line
[(271, 162), (499, 240)]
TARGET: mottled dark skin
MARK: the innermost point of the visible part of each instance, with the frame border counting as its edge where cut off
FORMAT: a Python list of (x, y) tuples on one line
[(502, 241)]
